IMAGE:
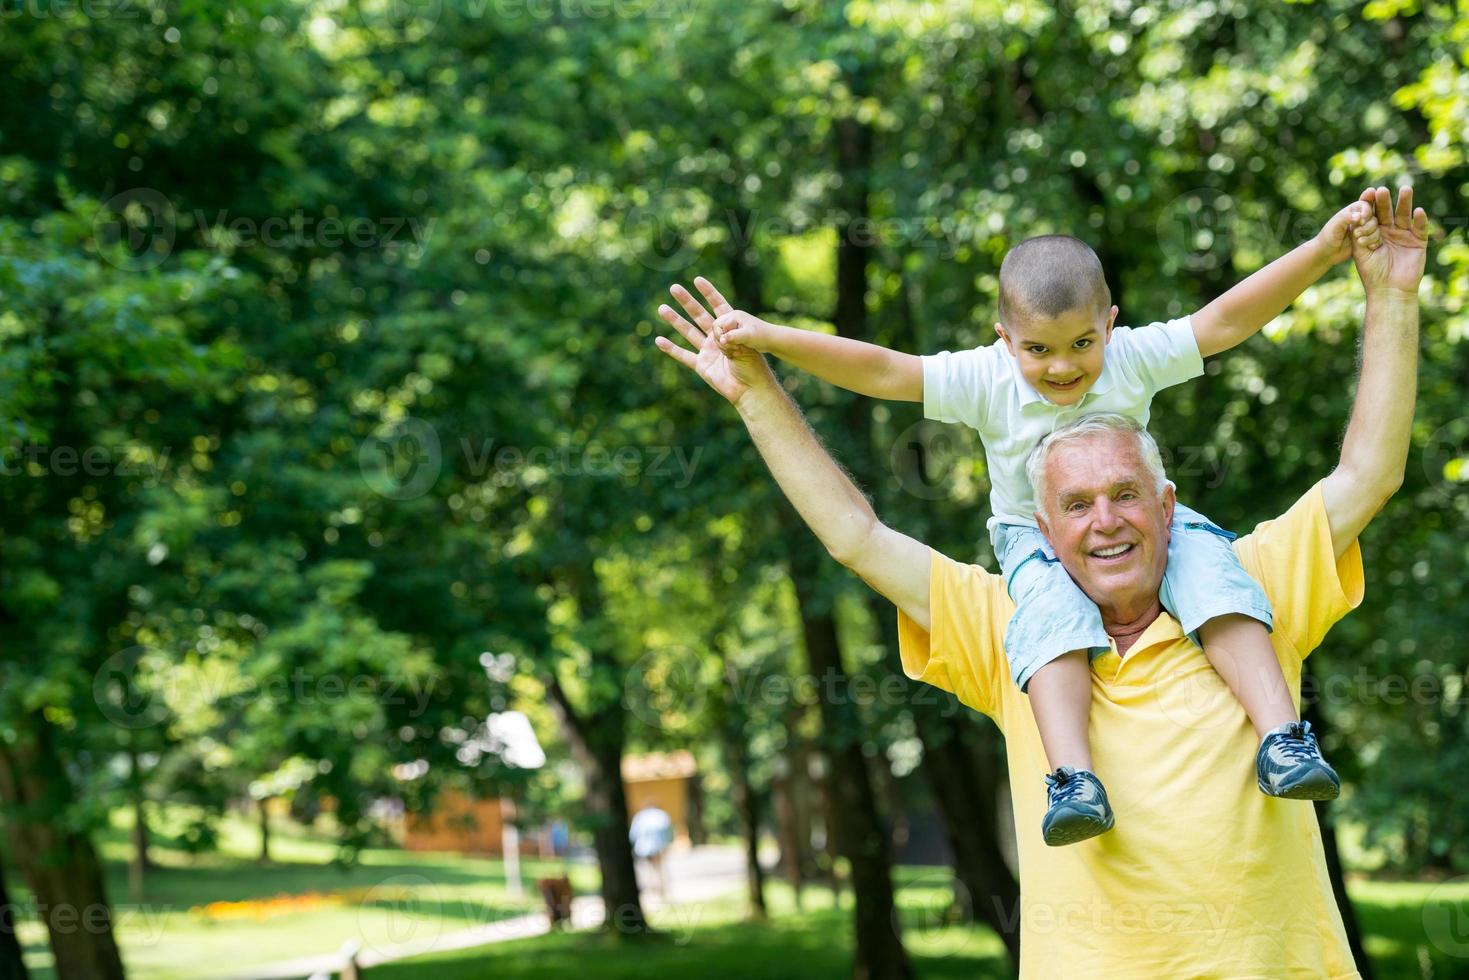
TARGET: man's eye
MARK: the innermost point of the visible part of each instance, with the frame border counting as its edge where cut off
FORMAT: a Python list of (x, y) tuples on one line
[(1127, 495), (1082, 344), (1076, 506)]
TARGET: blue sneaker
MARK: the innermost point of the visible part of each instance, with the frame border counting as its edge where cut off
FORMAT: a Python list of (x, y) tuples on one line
[(1078, 807), (1289, 765)]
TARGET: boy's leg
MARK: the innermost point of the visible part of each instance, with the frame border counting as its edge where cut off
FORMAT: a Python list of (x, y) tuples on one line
[(1048, 642), (1227, 613), (1239, 649), (1061, 700)]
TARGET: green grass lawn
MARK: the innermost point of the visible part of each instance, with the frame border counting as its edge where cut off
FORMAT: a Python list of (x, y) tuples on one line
[(1415, 931), (1410, 925), (400, 895)]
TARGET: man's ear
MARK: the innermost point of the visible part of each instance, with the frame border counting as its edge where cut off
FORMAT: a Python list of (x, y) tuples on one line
[(1168, 501), (1040, 520), (1111, 321)]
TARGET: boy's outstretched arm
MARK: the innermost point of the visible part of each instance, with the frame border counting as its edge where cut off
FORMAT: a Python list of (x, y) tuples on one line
[(854, 365), (1237, 315), (895, 565)]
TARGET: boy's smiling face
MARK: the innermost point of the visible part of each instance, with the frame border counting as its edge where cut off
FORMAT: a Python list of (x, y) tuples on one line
[(1060, 357)]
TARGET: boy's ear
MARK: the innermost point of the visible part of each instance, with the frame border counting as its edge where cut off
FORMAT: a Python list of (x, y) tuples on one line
[(1000, 329), (1111, 321)]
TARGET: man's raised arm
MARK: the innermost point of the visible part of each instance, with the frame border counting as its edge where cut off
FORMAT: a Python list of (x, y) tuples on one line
[(1390, 251), (831, 505)]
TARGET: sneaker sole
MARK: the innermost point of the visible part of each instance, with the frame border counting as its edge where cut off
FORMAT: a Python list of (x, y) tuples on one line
[(1319, 791), (1060, 837)]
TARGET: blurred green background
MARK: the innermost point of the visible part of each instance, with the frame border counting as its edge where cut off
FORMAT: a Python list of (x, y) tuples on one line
[(331, 428)]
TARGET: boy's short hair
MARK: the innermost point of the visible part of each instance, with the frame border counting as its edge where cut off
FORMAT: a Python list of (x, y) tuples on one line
[(1049, 275)]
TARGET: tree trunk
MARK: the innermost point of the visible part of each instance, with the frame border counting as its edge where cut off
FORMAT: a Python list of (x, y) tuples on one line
[(12, 963), (964, 779), (596, 744), (264, 813), (138, 866), (792, 854), (853, 809), (58, 863), (1312, 713), (746, 804), (966, 799)]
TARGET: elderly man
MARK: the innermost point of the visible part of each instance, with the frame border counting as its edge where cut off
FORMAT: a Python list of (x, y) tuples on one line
[(1174, 891)]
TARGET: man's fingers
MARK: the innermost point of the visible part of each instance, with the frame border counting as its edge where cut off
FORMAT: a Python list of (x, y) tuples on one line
[(693, 307), (1404, 215), (690, 332), (1382, 199), (716, 299), (685, 357)]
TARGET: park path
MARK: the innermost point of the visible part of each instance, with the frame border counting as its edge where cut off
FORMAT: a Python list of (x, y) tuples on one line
[(695, 876)]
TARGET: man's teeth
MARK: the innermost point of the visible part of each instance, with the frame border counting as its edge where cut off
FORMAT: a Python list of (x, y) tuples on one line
[(1109, 552)]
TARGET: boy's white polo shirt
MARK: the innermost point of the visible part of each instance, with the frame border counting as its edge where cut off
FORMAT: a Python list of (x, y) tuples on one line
[(984, 389)]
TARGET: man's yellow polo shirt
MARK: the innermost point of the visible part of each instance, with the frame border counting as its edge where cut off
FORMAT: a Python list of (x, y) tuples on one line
[(1203, 875)]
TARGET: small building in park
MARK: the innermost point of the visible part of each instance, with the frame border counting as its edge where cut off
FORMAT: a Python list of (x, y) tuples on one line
[(669, 781), (461, 823)]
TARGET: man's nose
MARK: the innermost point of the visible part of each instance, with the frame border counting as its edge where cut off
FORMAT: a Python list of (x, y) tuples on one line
[(1104, 517)]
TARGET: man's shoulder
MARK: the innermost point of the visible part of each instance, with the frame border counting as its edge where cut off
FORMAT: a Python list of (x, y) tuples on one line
[(1293, 557), (963, 649)]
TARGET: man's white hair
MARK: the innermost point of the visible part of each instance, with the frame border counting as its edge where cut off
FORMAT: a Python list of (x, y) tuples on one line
[(1084, 428)]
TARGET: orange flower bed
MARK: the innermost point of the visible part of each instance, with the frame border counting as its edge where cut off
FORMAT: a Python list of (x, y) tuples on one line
[(261, 909)]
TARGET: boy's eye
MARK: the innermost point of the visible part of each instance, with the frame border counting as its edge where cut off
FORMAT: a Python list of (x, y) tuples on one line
[(1082, 344), (1037, 350)]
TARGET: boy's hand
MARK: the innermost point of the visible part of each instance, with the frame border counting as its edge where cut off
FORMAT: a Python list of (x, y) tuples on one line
[(738, 330), (731, 372), (1391, 246), (1335, 238)]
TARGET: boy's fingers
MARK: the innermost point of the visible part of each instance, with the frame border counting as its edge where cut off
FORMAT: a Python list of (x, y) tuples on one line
[(1404, 214), (684, 357), (715, 297), (691, 306), (690, 332)]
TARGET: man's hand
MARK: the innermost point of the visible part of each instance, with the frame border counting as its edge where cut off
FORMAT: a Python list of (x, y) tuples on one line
[(1391, 247), (730, 371), (1334, 241)]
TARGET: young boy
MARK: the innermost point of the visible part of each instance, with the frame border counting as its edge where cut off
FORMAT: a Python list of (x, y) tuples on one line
[(1059, 356)]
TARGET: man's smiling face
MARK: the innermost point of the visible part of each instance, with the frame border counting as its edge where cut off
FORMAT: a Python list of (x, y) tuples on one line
[(1106, 519), (1061, 356)]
